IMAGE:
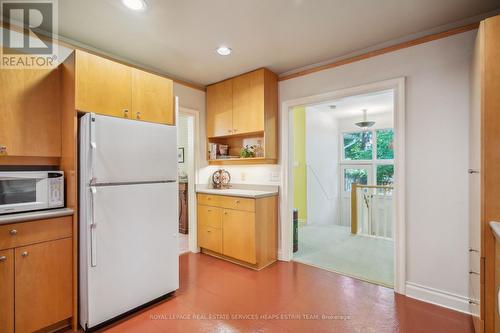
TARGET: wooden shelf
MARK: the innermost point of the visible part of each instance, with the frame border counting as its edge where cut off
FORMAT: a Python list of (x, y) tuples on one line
[(249, 160)]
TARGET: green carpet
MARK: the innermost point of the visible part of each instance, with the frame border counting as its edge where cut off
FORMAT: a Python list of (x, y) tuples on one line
[(335, 249)]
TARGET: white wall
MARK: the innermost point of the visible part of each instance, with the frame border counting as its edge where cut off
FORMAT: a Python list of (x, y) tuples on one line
[(182, 142), (322, 160), (437, 99)]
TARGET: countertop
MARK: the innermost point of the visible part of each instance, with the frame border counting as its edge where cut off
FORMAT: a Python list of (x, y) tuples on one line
[(36, 215), (240, 190), (495, 226)]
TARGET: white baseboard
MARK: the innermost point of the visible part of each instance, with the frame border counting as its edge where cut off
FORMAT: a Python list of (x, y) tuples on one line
[(438, 297)]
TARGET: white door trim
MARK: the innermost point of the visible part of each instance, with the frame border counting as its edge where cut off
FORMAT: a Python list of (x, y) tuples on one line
[(193, 179), (286, 205)]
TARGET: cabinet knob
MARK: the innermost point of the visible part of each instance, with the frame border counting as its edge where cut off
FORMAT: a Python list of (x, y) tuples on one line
[(3, 258), (209, 198), (3, 149), (209, 231), (229, 131), (235, 130), (138, 114), (125, 112), (237, 201), (13, 232), (225, 213), (24, 254)]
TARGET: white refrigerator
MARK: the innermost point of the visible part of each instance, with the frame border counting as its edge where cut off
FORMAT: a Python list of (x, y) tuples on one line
[(128, 215)]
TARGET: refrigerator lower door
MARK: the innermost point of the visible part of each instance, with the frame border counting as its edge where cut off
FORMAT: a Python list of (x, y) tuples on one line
[(131, 248), (123, 150)]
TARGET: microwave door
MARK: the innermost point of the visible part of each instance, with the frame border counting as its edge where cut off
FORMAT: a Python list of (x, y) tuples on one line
[(22, 192)]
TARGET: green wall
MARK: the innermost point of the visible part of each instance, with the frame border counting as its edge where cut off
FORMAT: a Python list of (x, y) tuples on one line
[(299, 169)]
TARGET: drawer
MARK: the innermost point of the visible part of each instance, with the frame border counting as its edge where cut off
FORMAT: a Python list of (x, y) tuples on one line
[(237, 203), (25, 233), (228, 202), (210, 238), (210, 216), (208, 199)]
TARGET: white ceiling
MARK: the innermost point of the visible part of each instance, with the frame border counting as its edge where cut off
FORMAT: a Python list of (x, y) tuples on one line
[(352, 106), (178, 37)]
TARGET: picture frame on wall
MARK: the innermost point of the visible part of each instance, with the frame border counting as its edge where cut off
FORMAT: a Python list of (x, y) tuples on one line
[(180, 155)]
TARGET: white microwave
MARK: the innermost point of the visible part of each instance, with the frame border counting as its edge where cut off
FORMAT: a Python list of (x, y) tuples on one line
[(22, 191)]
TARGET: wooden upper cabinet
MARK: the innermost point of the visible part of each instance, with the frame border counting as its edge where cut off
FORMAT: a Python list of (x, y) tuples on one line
[(220, 109), (7, 291), (30, 113), (102, 86), (243, 112), (152, 98), (248, 102), (107, 87)]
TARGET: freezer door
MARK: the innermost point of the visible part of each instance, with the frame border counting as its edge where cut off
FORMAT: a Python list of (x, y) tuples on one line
[(132, 248), (123, 150)]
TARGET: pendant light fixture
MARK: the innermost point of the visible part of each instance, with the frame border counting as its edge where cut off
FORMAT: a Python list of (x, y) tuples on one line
[(365, 123)]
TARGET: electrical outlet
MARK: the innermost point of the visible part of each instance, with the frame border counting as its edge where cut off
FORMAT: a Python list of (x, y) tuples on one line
[(274, 177)]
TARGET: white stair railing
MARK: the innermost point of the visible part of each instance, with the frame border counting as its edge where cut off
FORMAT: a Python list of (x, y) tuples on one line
[(371, 210)]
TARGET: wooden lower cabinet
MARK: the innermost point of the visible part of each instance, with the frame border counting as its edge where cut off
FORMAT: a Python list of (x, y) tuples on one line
[(7, 291), (43, 284), (36, 276), (210, 238), (240, 230), (239, 235)]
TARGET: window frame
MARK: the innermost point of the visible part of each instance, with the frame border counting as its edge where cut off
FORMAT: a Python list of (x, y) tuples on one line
[(374, 162)]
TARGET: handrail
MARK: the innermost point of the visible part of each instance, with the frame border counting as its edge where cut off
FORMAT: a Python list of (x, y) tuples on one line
[(327, 196)]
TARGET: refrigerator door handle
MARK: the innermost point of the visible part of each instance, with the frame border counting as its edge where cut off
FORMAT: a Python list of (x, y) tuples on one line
[(93, 148), (93, 225)]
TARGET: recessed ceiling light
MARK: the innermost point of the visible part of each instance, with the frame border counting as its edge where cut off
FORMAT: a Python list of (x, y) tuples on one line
[(224, 50), (135, 4)]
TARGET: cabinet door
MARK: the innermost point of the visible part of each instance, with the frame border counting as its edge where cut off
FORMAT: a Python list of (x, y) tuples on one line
[(102, 86), (30, 117), (248, 103), (210, 238), (238, 235), (152, 98), (209, 216), (220, 109), (7, 291), (43, 284)]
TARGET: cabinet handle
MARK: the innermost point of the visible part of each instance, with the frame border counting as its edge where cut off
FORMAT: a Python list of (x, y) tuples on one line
[(3, 258), (237, 201), (209, 231), (3, 149), (229, 131), (13, 232), (225, 213), (473, 250), (138, 114), (235, 130), (24, 254), (209, 210), (125, 113), (208, 198), (472, 272), (471, 171)]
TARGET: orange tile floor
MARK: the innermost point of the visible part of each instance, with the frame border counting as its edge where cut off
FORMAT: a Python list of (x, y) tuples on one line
[(217, 296)]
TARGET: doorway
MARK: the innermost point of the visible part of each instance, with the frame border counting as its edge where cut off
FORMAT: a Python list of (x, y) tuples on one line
[(187, 159), (352, 186)]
